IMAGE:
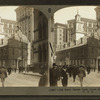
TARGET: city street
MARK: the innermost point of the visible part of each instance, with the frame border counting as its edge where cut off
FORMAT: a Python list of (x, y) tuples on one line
[(22, 80), (31, 80), (91, 80)]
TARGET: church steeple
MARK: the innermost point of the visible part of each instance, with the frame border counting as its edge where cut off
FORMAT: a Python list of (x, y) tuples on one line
[(77, 16)]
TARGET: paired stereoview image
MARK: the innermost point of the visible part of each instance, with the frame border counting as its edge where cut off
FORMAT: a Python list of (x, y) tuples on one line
[(61, 51)]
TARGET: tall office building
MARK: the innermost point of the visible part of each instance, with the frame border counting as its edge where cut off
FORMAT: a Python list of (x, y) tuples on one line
[(25, 21), (80, 27)]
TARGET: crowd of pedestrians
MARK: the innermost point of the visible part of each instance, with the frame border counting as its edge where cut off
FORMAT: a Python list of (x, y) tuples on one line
[(5, 71), (56, 73), (62, 73)]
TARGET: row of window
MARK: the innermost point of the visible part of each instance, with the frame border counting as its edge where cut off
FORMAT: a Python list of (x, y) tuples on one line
[(82, 61), (9, 25), (79, 52), (25, 27), (23, 13), (9, 31), (86, 24), (70, 25), (14, 51)]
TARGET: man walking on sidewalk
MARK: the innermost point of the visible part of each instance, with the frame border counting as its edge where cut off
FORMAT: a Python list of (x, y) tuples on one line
[(81, 74), (3, 74)]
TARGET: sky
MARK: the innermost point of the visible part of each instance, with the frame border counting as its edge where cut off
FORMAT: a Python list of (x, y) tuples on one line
[(62, 15), (7, 12)]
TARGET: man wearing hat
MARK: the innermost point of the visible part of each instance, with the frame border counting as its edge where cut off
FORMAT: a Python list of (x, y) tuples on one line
[(3, 74), (81, 74)]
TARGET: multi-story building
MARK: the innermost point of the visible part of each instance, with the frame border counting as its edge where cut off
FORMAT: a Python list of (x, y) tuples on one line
[(85, 53), (80, 27), (9, 26), (40, 43), (67, 34), (25, 21), (60, 36), (97, 9), (13, 52), (86, 49)]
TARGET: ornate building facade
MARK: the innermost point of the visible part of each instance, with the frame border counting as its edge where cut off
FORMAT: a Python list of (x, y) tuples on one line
[(60, 36), (85, 53), (9, 27), (12, 51), (79, 27), (67, 35), (87, 50), (25, 21), (40, 43)]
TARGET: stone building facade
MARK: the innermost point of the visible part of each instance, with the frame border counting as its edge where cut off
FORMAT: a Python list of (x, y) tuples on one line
[(12, 51), (60, 36), (80, 27), (67, 34), (40, 43), (25, 22), (9, 27)]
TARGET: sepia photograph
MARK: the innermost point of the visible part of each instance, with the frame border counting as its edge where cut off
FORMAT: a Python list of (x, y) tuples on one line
[(60, 51)]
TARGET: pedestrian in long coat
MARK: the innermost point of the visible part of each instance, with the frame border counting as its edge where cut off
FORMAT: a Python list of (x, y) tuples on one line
[(9, 70), (70, 70), (98, 68), (44, 80), (74, 72), (64, 77), (81, 74), (88, 69), (3, 75), (54, 75)]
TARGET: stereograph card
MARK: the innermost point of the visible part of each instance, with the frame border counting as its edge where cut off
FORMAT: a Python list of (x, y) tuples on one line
[(49, 50)]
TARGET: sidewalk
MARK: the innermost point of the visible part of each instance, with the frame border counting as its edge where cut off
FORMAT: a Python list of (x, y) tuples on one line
[(32, 74)]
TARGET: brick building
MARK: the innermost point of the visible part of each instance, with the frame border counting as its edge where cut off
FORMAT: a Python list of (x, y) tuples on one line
[(12, 51), (86, 53), (74, 30)]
